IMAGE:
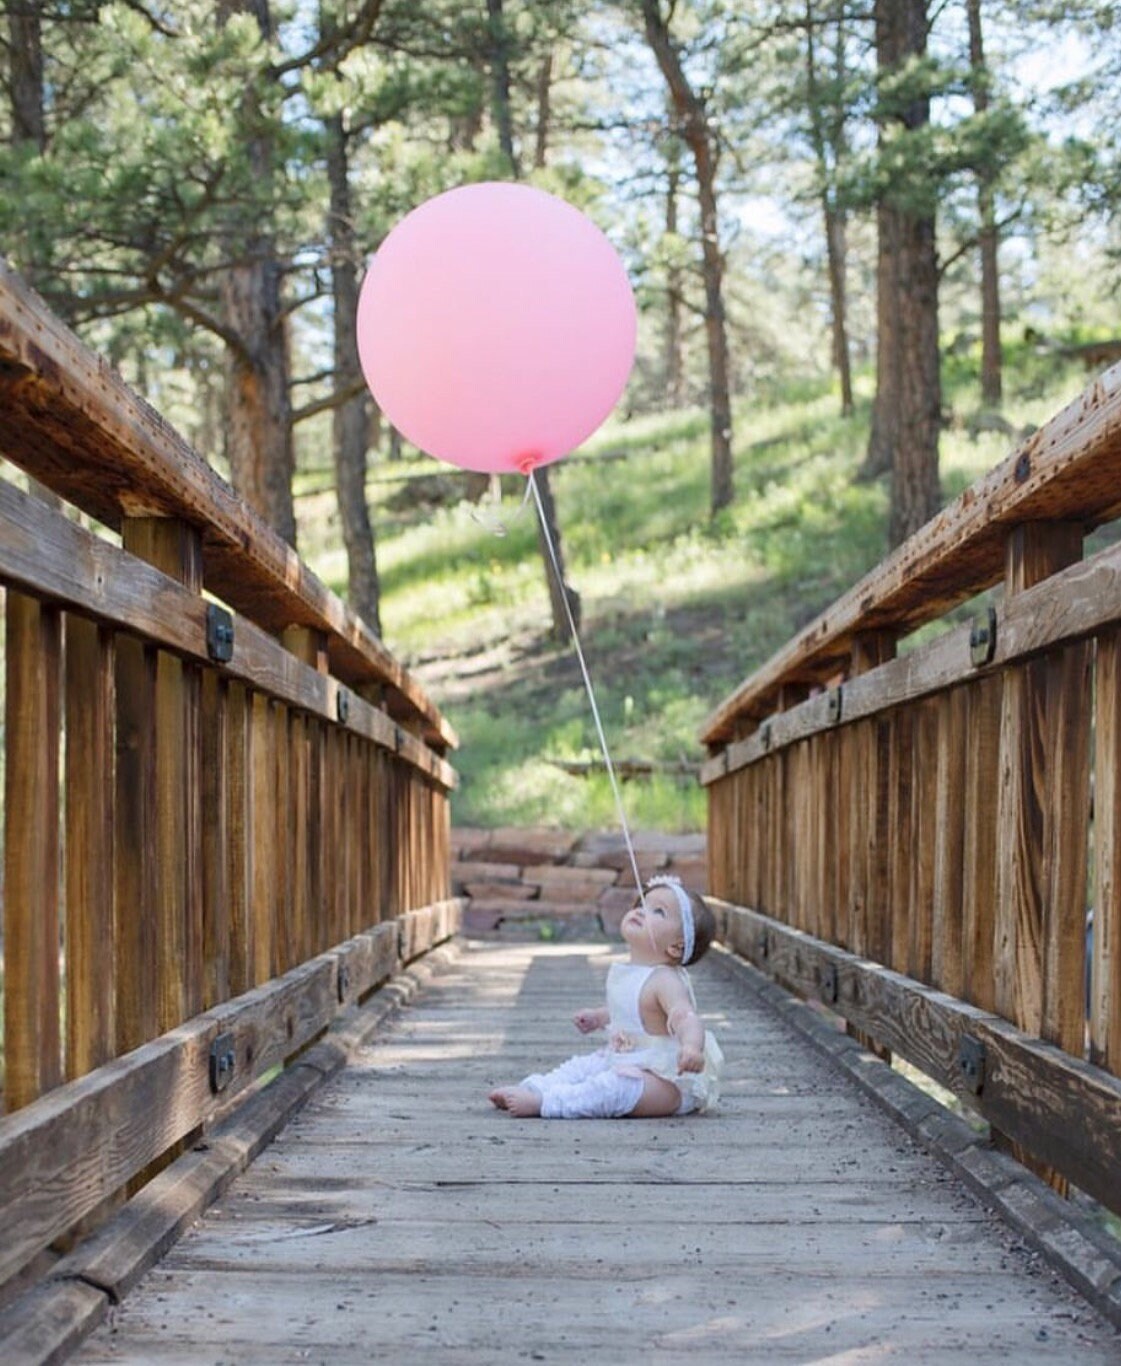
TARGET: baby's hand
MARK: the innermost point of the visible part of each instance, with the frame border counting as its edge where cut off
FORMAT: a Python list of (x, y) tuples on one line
[(690, 1059), (587, 1021)]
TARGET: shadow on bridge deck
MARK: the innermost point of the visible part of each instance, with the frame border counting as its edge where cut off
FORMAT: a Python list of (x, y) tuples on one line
[(400, 1217)]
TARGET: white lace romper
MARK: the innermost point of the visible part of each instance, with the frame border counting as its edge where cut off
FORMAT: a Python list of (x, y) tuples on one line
[(632, 1048)]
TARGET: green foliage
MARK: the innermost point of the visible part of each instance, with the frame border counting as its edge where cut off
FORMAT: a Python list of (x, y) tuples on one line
[(677, 609)]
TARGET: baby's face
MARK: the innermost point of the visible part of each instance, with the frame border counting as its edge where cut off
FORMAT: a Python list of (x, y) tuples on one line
[(656, 929)]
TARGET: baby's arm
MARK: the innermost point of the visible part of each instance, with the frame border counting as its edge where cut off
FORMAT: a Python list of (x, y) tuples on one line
[(588, 1021), (684, 1024)]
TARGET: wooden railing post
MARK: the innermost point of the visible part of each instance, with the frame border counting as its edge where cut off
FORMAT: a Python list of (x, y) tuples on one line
[(1105, 985), (175, 548), (32, 1044), (1043, 811), (308, 748), (90, 967)]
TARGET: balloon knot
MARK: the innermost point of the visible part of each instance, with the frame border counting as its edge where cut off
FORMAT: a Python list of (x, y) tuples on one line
[(526, 464)]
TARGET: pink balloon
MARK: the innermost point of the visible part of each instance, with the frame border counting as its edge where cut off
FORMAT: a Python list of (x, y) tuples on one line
[(496, 327)]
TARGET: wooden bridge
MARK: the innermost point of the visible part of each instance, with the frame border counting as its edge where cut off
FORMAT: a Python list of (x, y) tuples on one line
[(246, 1052)]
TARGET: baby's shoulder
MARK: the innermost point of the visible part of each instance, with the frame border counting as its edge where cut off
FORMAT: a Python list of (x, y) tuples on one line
[(667, 980)]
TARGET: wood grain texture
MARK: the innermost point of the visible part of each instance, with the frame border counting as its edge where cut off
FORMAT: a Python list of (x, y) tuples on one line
[(32, 1042), (1105, 983), (66, 1152), (90, 965), (1062, 1111), (1068, 470), (53, 557), (448, 1232), (72, 422)]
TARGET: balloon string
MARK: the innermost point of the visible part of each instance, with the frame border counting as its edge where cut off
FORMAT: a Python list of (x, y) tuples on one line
[(587, 683)]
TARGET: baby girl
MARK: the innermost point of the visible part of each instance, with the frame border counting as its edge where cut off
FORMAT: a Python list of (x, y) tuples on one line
[(660, 1060)]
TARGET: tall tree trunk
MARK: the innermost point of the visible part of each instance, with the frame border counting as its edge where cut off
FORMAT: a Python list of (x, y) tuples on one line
[(350, 428), (500, 69), (674, 346), (988, 241), (695, 130), (909, 411), (25, 76), (259, 415), (544, 111), (833, 216), (500, 82), (557, 591), (885, 404)]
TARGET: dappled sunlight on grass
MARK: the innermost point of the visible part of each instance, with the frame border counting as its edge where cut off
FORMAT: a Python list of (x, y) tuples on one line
[(678, 607)]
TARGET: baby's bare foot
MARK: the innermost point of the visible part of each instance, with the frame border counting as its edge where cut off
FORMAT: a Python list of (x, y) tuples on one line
[(498, 1097), (523, 1102)]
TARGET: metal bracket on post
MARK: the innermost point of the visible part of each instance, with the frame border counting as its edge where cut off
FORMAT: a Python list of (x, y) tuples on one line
[(764, 944), (342, 705), (343, 982), (222, 1062), (971, 1061), (830, 985), (835, 704), (982, 639), (219, 633), (766, 738)]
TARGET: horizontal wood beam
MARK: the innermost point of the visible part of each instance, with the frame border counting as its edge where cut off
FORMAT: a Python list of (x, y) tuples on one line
[(1069, 470), (1064, 1111), (49, 556), (66, 1153), (73, 423), (1072, 604)]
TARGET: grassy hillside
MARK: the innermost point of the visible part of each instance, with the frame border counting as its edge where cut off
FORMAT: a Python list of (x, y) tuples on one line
[(677, 609)]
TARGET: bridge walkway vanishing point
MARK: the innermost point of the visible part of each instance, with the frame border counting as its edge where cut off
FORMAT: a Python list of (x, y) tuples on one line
[(399, 1217)]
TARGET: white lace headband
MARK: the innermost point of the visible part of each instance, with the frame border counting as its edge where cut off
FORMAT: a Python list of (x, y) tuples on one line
[(688, 929)]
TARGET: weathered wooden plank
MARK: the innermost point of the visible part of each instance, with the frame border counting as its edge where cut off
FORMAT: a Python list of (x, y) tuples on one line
[(262, 765), (1068, 605), (240, 843), (979, 852), (72, 422), (55, 558), (1065, 1112), (63, 1154), (1069, 469), (175, 549), (442, 1227), (949, 842), (215, 780), (1105, 983), (32, 1043), (134, 859), (1069, 718), (90, 964)]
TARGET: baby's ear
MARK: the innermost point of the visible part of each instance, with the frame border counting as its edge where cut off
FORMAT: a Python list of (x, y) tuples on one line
[(677, 949)]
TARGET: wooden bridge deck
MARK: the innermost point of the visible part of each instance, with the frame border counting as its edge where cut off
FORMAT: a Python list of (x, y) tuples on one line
[(400, 1217)]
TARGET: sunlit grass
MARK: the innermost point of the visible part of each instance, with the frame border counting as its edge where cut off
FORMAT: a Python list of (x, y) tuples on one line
[(677, 607)]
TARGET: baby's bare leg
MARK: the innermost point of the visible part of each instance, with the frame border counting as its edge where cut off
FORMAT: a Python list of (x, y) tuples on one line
[(659, 1098)]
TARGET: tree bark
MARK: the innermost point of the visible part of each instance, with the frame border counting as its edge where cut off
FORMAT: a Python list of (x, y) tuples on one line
[(558, 591), (695, 131), (259, 426), (350, 428), (833, 216), (544, 111), (907, 416), (674, 345), (25, 76), (988, 240), (500, 82)]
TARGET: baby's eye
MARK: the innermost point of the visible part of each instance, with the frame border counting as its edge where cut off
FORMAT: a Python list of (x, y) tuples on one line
[(658, 911)]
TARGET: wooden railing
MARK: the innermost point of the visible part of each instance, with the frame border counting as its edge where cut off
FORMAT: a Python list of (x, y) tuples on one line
[(225, 804), (916, 838)]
